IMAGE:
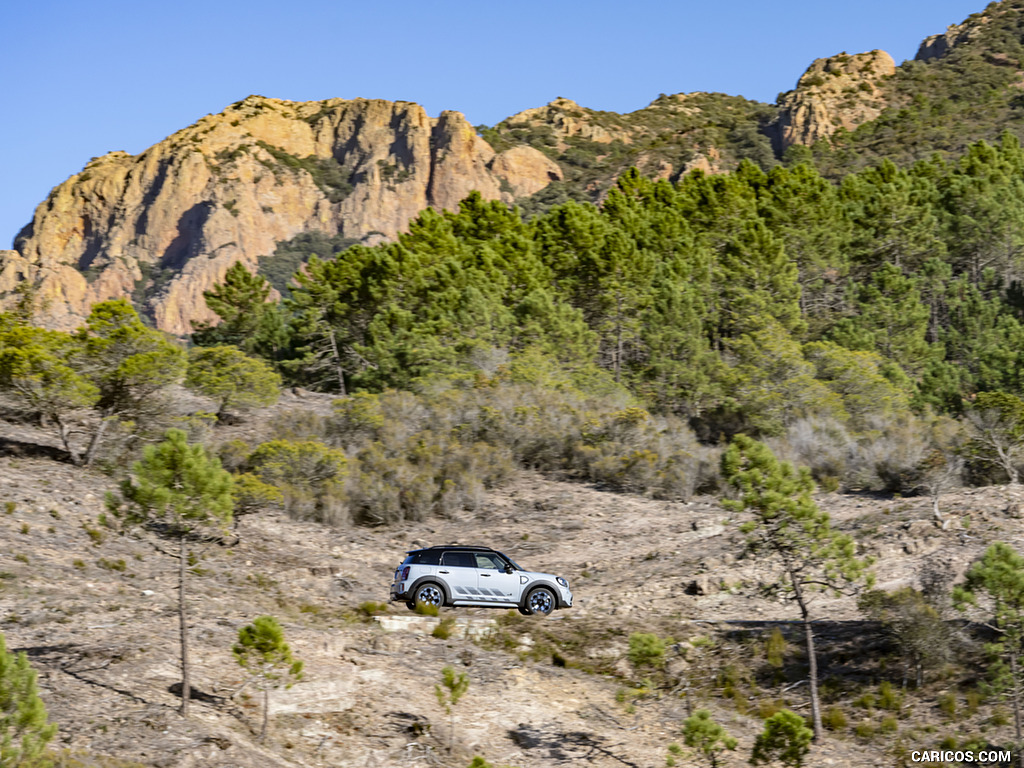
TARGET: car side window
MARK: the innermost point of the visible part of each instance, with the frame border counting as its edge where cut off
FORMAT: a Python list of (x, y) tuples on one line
[(492, 562), (458, 560)]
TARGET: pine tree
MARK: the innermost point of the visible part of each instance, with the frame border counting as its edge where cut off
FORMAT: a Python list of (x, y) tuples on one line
[(231, 378), (39, 370), (805, 212), (771, 384), (678, 371), (982, 336), (24, 730), (984, 198), (755, 282), (240, 301), (127, 362), (888, 318), (998, 576), (859, 379), (788, 527), (177, 490), (262, 651), (721, 207), (894, 219)]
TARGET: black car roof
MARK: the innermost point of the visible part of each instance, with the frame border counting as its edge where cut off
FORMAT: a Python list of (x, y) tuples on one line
[(454, 548)]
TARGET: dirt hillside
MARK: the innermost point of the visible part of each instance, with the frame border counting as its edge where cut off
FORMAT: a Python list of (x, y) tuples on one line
[(96, 613)]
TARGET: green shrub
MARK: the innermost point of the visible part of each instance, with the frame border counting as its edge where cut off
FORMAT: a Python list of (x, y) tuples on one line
[(864, 730), (947, 705), (865, 701), (444, 629), (973, 700), (775, 648), (829, 483), (888, 697), (646, 650), (95, 535), (309, 475), (370, 608), (835, 719), (253, 495)]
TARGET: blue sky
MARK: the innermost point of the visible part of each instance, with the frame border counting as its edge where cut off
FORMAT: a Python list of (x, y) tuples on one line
[(78, 79)]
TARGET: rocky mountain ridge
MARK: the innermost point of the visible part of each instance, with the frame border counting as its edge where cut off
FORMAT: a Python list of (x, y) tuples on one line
[(164, 226)]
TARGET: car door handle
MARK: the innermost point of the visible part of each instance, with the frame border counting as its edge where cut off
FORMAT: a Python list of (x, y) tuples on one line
[(486, 574), (443, 571)]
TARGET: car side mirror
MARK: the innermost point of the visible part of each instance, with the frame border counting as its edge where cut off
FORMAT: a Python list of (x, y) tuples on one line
[(509, 568)]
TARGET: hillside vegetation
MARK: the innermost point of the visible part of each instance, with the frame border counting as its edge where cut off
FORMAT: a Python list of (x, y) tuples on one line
[(790, 391)]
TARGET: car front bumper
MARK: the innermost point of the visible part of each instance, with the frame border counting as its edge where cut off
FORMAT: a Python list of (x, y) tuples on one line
[(565, 596)]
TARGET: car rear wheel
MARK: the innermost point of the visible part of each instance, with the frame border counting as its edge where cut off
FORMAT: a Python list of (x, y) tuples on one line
[(540, 602), (428, 594), (410, 605)]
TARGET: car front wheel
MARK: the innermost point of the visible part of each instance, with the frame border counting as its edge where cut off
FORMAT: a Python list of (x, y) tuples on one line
[(428, 594), (540, 602)]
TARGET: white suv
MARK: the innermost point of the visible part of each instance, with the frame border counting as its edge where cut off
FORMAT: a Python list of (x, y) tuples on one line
[(478, 576)]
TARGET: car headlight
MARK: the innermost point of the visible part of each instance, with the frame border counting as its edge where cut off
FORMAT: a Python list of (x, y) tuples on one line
[(562, 581)]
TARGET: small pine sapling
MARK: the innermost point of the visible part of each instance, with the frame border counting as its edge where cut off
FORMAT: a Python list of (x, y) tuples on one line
[(451, 689), (262, 651), (24, 731), (706, 737), (785, 738)]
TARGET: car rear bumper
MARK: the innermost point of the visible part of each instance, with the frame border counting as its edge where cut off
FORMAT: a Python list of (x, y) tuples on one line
[(398, 592)]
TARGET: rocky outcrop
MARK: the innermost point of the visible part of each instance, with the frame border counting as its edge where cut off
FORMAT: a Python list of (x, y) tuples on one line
[(839, 92), (165, 225), (525, 170), (565, 119), (937, 46)]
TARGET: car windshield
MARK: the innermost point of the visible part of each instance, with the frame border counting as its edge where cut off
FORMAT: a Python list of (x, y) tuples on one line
[(514, 564)]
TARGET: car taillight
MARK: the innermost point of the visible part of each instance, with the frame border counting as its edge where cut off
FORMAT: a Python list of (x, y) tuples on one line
[(405, 573)]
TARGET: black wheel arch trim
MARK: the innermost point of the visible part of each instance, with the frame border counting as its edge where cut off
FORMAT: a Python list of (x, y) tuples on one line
[(431, 580)]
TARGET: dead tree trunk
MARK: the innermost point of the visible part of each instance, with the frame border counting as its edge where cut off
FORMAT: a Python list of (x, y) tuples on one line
[(183, 623), (812, 658)]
